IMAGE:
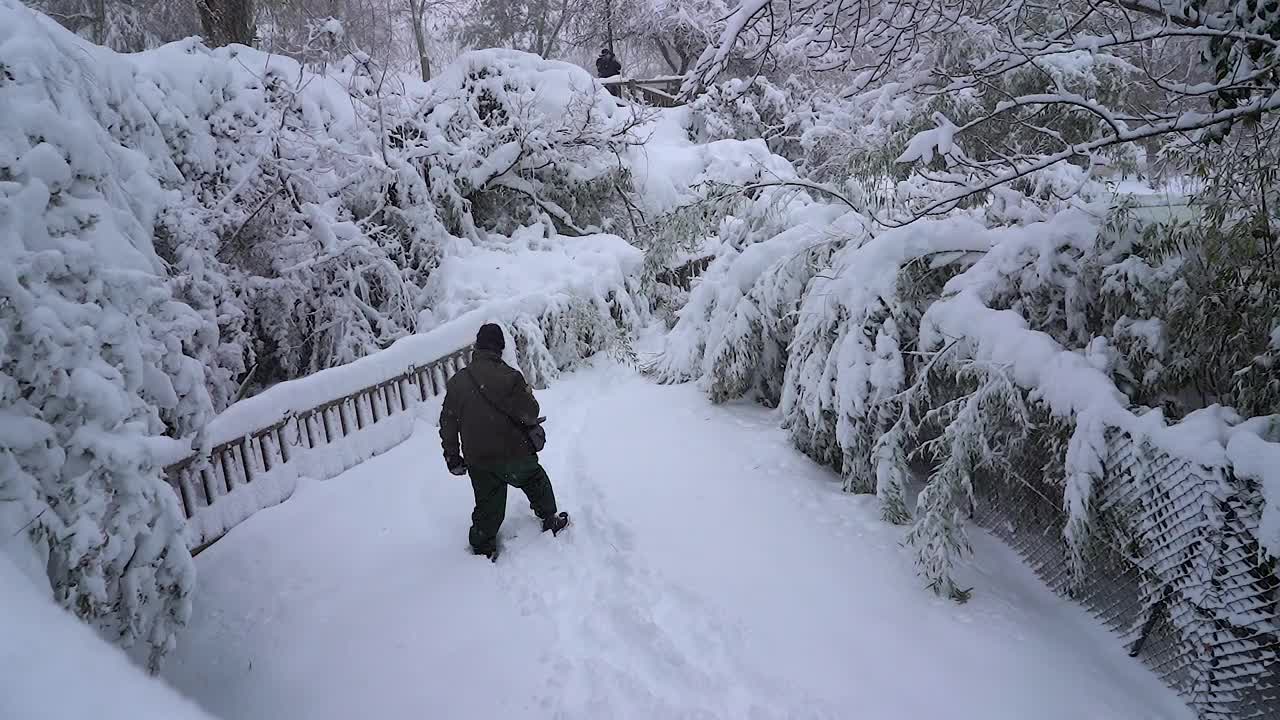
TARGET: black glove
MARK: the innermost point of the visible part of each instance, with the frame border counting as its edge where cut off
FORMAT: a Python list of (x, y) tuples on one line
[(457, 465)]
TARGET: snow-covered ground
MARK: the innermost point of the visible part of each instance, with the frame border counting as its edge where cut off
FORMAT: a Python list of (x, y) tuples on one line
[(711, 572), (54, 667)]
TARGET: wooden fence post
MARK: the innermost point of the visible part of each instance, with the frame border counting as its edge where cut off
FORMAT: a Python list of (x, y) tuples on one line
[(422, 388), (187, 494), (280, 441), (264, 450), (209, 481), (224, 461)]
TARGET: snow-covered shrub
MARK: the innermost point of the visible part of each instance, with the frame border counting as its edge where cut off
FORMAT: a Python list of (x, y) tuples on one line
[(503, 139), (1195, 298), (568, 298), (979, 420), (689, 234), (97, 357), (750, 357), (874, 381), (572, 329), (688, 231), (1062, 335), (746, 109), (281, 192), (335, 197), (1032, 366), (852, 348), (770, 234), (694, 201), (881, 358)]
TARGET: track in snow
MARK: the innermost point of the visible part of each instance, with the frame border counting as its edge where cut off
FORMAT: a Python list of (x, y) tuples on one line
[(711, 572)]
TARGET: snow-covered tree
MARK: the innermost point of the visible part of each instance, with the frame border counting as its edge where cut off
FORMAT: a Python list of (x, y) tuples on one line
[(664, 36), (98, 360), (534, 26), (1206, 287), (1007, 114), (1062, 84), (492, 150), (744, 109), (384, 30), (124, 25), (680, 31), (227, 21)]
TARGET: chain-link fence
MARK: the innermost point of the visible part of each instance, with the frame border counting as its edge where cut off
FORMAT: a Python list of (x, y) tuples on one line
[(1173, 566)]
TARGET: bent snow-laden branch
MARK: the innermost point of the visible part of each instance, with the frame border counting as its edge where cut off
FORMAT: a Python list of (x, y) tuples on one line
[(1188, 122)]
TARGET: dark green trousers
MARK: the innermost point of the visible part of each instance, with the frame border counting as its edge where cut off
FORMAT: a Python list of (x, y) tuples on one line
[(490, 486)]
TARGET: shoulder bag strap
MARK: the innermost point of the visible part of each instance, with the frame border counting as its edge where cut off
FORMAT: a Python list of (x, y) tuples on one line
[(492, 404)]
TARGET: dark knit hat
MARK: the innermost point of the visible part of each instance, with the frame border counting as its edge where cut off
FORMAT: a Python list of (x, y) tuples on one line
[(490, 338)]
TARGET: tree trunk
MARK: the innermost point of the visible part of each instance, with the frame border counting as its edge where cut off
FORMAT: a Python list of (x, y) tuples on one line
[(100, 22), (541, 25), (552, 39), (226, 21), (666, 55), (608, 24), (424, 62)]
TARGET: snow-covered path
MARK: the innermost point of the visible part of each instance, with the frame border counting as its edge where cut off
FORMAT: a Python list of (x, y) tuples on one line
[(712, 572)]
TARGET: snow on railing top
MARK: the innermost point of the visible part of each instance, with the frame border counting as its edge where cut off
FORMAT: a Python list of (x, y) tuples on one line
[(666, 80), (659, 92), (287, 398)]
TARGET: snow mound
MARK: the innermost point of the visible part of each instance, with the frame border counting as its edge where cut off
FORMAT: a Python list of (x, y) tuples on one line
[(670, 170), (528, 263), (41, 641)]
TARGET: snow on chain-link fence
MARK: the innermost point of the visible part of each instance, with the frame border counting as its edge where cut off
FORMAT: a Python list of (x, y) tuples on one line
[(1173, 565)]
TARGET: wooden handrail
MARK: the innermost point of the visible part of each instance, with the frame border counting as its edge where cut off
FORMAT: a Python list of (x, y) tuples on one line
[(658, 92), (199, 480)]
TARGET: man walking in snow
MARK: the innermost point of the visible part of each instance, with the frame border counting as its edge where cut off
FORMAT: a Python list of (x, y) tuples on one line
[(607, 66), (491, 408)]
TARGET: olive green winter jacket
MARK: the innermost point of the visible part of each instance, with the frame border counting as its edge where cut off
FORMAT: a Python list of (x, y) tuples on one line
[(488, 437)]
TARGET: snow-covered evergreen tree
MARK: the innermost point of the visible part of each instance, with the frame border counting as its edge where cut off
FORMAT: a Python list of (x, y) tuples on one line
[(98, 359)]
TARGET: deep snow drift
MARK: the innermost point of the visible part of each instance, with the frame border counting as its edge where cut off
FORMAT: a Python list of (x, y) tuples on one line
[(39, 642), (711, 571)]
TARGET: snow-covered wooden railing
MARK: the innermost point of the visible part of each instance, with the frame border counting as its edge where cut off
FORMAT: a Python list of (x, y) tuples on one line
[(658, 92), (259, 467), (252, 455), (683, 275)]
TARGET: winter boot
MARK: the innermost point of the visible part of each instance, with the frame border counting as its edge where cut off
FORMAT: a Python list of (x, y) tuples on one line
[(555, 523), (490, 552)]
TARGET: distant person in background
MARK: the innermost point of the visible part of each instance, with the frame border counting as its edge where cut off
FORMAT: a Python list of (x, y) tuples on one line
[(607, 66), (490, 408)]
